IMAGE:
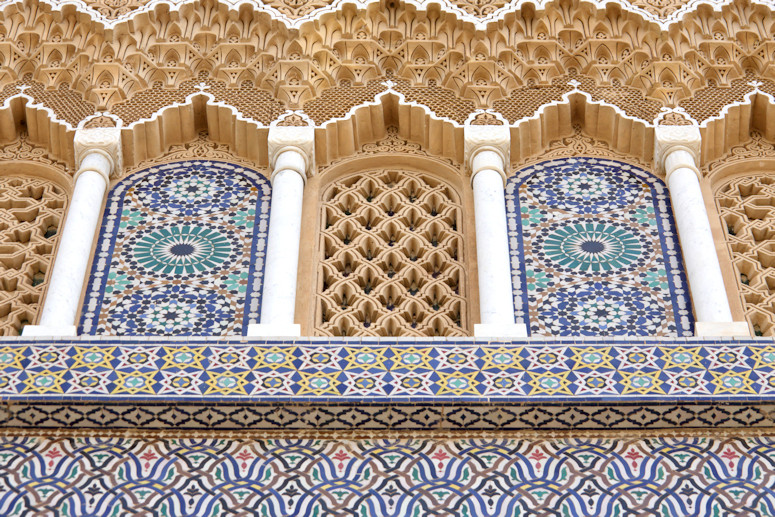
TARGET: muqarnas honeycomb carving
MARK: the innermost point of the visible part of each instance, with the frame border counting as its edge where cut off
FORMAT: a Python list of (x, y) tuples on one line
[(747, 209), (31, 210), (391, 257)]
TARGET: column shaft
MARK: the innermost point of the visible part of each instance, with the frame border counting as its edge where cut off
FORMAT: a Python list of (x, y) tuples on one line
[(699, 251), (496, 302), (72, 259), (278, 302)]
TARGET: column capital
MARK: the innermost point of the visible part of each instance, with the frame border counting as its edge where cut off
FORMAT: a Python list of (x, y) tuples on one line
[(299, 139), (668, 139), (105, 141), (487, 138)]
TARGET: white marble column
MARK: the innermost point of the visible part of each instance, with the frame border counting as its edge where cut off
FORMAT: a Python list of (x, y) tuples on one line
[(677, 150), (291, 157), (98, 156), (487, 155)]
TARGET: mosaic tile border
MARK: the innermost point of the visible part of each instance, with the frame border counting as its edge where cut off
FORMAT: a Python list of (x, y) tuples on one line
[(408, 371), (142, 415), (695, 476)]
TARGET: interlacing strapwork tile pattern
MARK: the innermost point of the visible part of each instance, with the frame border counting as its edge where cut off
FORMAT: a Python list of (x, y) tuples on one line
[(687, 477), (391, 257), (747, 209), (594, 252), (181, 252), (31, 211)]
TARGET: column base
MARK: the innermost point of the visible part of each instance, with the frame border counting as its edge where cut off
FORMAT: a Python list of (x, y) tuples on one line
[(721, 329), (46, 331), (512, 330), (274, 330)]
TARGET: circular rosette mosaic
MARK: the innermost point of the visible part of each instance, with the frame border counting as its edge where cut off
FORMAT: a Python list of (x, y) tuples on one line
[(585, 186), (178, 310), (181, 251), (193, 188), (602, 309), (592, 247)]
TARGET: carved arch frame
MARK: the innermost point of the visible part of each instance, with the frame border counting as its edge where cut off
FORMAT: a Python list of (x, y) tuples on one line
[(316, 186), (717, 174)]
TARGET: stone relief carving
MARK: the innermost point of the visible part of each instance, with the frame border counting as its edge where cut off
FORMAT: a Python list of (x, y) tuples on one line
[(202, 147), (579, 144), (31, 212), (106, 140), (453, 68)]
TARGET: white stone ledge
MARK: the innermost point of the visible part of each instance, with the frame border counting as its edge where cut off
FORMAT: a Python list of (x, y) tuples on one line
[(721, 329), (48, 331), (518, 330), (274, 330)]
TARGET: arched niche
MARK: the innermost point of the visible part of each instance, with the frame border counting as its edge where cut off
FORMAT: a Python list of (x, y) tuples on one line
[(393, 168)]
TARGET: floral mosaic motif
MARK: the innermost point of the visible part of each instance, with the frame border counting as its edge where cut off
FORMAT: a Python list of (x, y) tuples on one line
[(593, 251), (181, 252), (387, 477), (590, 248)]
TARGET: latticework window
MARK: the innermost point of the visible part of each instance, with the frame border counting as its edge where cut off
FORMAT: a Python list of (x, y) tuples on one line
[(31, 211), (391, 257), (747, 209)]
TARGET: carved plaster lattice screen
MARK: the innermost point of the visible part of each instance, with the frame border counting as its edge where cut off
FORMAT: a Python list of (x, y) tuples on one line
[(747, 209), (391, 259), (181, 252), (594, 251), (31, 212)]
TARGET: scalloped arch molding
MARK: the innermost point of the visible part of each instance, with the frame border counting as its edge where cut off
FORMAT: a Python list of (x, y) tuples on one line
[(164, 69)]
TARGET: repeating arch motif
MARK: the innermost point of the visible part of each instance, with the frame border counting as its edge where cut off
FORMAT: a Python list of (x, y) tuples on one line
[(391, 257), (181, 252), (594, 251)]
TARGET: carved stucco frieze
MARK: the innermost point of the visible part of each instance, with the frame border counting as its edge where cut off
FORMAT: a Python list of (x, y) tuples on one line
[(252, 61)]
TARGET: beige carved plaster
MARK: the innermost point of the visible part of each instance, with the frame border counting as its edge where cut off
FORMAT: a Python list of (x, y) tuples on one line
[(401, 157), (581, 144), (33, 194), (743, 187), (611, 48), (392, 261), (171, 69)]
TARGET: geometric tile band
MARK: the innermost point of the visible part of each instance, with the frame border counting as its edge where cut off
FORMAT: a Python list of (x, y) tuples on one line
[(419, 415), (181, 252), (594, 251), (232, 371), (387, 477)]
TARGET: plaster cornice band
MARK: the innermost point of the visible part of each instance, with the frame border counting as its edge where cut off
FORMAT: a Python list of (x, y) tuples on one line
[(98, 155)]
